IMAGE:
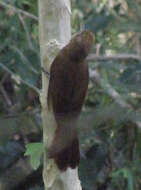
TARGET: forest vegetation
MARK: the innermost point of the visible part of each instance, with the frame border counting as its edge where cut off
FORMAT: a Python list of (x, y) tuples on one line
[(110, 123)]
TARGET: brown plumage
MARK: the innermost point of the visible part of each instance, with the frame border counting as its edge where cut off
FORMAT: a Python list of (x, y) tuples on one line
[(67, 89)]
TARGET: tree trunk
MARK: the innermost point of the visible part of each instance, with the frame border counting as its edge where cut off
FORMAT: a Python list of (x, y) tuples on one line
[(54, 33)]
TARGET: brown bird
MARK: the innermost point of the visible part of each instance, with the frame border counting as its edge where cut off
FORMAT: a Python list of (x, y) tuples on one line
[(67, 89)]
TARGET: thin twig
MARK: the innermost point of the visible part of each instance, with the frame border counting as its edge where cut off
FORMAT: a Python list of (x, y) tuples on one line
[(45, 72), (20, 79), (26, 31), (24, 59), (95, 76), (17, 10), (5, 95), (93, 57)]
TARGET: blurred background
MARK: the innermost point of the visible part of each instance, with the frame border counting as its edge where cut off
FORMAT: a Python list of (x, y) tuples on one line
[(110, 124)]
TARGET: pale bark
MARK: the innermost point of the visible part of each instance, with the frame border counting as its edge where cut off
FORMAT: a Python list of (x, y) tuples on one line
[(54, 33)]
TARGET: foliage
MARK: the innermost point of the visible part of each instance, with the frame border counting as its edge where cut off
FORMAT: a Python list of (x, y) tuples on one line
[(34, 150), (110, 143)]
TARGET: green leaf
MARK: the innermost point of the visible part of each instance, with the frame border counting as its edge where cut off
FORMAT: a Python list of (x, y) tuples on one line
[(34, 150)]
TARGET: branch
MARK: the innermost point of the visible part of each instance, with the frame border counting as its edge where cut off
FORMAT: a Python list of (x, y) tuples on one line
[(17, 10), (24, 59), (95, 76), (120, 57), (26, 31), (20, 79), (5, 95)]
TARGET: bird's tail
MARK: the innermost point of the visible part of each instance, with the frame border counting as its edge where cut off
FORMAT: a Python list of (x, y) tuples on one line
[(68, 156), (65, 151), (64, 148)]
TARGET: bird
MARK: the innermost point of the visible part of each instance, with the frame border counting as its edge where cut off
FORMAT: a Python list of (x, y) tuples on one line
[(66, 94)]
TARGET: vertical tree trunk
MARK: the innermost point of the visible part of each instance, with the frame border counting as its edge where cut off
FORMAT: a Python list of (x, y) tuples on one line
[(54, 33)]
